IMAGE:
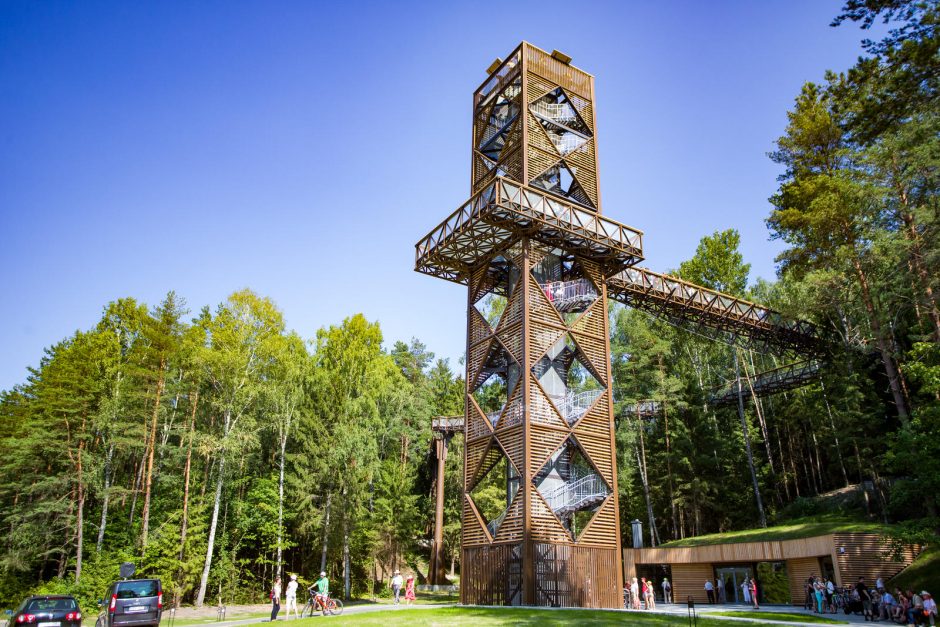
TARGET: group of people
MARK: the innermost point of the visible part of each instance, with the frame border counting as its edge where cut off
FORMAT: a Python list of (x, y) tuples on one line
[(409, 588), (904, 607), (640, 594), (320, 590), (821, 595), (722, 591)]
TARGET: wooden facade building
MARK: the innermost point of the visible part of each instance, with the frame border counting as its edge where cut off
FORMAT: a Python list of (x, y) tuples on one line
[(842, 557)]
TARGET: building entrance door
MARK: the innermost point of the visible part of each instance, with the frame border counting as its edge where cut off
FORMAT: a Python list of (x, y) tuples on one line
[(731, 578)]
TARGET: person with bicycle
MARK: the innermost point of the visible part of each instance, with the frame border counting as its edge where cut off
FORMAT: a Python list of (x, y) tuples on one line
[(322, 586)]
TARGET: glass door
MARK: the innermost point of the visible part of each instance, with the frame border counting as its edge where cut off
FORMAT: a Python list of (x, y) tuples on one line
[(731, 578)]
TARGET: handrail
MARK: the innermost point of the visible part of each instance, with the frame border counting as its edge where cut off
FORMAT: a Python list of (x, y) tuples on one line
[(568, 294), (573, 404), (669, 296), (573, 495)]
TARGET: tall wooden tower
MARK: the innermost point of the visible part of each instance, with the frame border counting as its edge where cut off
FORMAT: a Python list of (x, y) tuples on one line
[(540, 518)]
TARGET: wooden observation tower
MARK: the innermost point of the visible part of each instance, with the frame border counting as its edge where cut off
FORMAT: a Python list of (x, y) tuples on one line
[(540, 516)]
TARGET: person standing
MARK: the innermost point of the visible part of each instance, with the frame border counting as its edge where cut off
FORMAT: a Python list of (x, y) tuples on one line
[(710, 591), (396, 586), (291, 595), (410, 590), (650, 595), (667, 591), (746, 591), (754, 593), (635, 594), (275, 599)]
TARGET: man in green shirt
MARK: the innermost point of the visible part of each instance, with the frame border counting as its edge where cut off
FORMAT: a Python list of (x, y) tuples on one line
[(323, 590)]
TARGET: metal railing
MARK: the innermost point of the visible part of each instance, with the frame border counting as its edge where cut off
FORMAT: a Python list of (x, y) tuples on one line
[(555, 111), (578, 494), (674, 299), (573, 404), (493, 525), (504, 210), (574, 295)]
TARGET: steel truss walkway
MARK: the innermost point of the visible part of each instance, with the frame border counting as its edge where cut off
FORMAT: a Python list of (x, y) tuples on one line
[(781, 379), (680, 301)]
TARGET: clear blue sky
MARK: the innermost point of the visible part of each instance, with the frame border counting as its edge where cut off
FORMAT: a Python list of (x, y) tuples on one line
[(301, 149)]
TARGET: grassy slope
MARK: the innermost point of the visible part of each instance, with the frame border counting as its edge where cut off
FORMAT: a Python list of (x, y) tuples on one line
[(923, 574), (798, 528)]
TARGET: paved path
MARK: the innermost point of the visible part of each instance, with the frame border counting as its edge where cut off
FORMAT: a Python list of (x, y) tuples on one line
[(705, 610)]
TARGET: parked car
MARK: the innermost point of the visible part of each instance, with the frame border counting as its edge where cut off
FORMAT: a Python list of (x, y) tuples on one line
[(52, 610), (132, 602)]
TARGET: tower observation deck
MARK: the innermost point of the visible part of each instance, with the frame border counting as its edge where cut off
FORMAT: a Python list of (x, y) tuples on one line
[(540, 522)]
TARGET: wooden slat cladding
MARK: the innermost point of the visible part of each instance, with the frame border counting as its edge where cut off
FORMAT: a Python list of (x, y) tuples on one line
[(576, 576), (798, 571), (472, 529), (602, 530), (554, 71), (512, 441), (491, 575), (770, 551), (689, 580), (865, 556)]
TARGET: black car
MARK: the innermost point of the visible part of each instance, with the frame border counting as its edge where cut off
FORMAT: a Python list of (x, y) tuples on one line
[(52, 610), (132, 602)]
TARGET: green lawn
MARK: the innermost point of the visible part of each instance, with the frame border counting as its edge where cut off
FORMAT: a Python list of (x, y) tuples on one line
[(784, 616), (798, 528), (923, 574), (467, 617)]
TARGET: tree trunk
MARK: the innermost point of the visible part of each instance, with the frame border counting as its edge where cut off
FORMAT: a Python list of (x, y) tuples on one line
[(747, 444), (145, 515), (187, 469), (641, 462), (835, 434), (347, 576), (280, 502), (894, 377), (200, 598), (819, 466), (106, 498), (326, 530), (760, 414), (672, 499), (916, 260), (80, 516)]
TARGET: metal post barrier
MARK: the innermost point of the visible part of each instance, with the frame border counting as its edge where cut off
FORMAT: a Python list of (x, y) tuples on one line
[(693, 619)]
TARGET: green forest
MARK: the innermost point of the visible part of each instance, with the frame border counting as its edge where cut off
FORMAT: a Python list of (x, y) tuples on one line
[(214, 447)]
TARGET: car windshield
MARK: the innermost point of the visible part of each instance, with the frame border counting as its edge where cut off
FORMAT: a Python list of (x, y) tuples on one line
[(137, 589), (51, 605)]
